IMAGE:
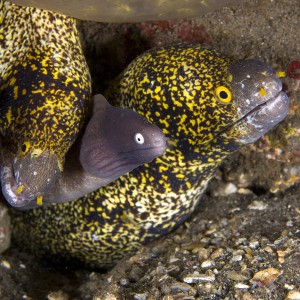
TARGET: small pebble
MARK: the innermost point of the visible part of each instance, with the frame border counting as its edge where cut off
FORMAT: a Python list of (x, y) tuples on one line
[(207, 264), (217, 253), (237, 276), (227, 189), (200, 277), (293, 295), (254, 244), (5, 264), (230, 188), (244, 191), (208, 287), (289, 286), (180, 286), (241, 286), (236, 258), (266, 276), (258, 205), (268, 249)]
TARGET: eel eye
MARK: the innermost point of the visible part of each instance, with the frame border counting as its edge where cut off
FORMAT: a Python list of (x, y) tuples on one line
[(223, 94), (139, 138), (25, 147)]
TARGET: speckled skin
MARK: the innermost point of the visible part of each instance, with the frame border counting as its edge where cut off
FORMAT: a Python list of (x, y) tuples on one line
[(45, 81), (174, 88)]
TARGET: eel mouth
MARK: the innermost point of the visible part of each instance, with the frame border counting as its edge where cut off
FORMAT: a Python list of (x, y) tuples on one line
[(26, 179), (278, 104), (17, 195), (261, 118)]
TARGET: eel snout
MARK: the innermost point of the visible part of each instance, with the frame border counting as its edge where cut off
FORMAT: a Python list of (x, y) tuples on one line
[(259, 98)]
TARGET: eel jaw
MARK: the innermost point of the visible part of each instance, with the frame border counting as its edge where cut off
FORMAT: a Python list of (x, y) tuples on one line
[(25, 179), (10, 187), (260, 119)]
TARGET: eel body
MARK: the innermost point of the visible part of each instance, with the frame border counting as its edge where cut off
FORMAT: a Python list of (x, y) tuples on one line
[(44, 98), (209, 106)]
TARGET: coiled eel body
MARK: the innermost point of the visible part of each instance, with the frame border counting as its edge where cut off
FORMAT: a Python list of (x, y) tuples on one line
[(209, 106), (44, 98)]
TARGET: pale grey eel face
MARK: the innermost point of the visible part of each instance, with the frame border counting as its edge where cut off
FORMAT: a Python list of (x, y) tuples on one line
[(261, 103)]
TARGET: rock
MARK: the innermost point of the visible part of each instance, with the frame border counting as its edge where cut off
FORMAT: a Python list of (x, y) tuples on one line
[(266, 276)]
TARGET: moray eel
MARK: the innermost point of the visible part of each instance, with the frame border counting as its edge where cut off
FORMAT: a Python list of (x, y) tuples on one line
[(44, 94), (114, 142), (129, 10), (208, 105)]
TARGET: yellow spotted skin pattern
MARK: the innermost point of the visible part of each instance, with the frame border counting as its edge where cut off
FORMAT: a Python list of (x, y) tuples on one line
[(44, 80), (174, 88)]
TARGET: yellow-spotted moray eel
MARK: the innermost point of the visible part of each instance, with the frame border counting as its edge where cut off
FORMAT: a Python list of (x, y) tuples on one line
[(209, 106), (44, 98)]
